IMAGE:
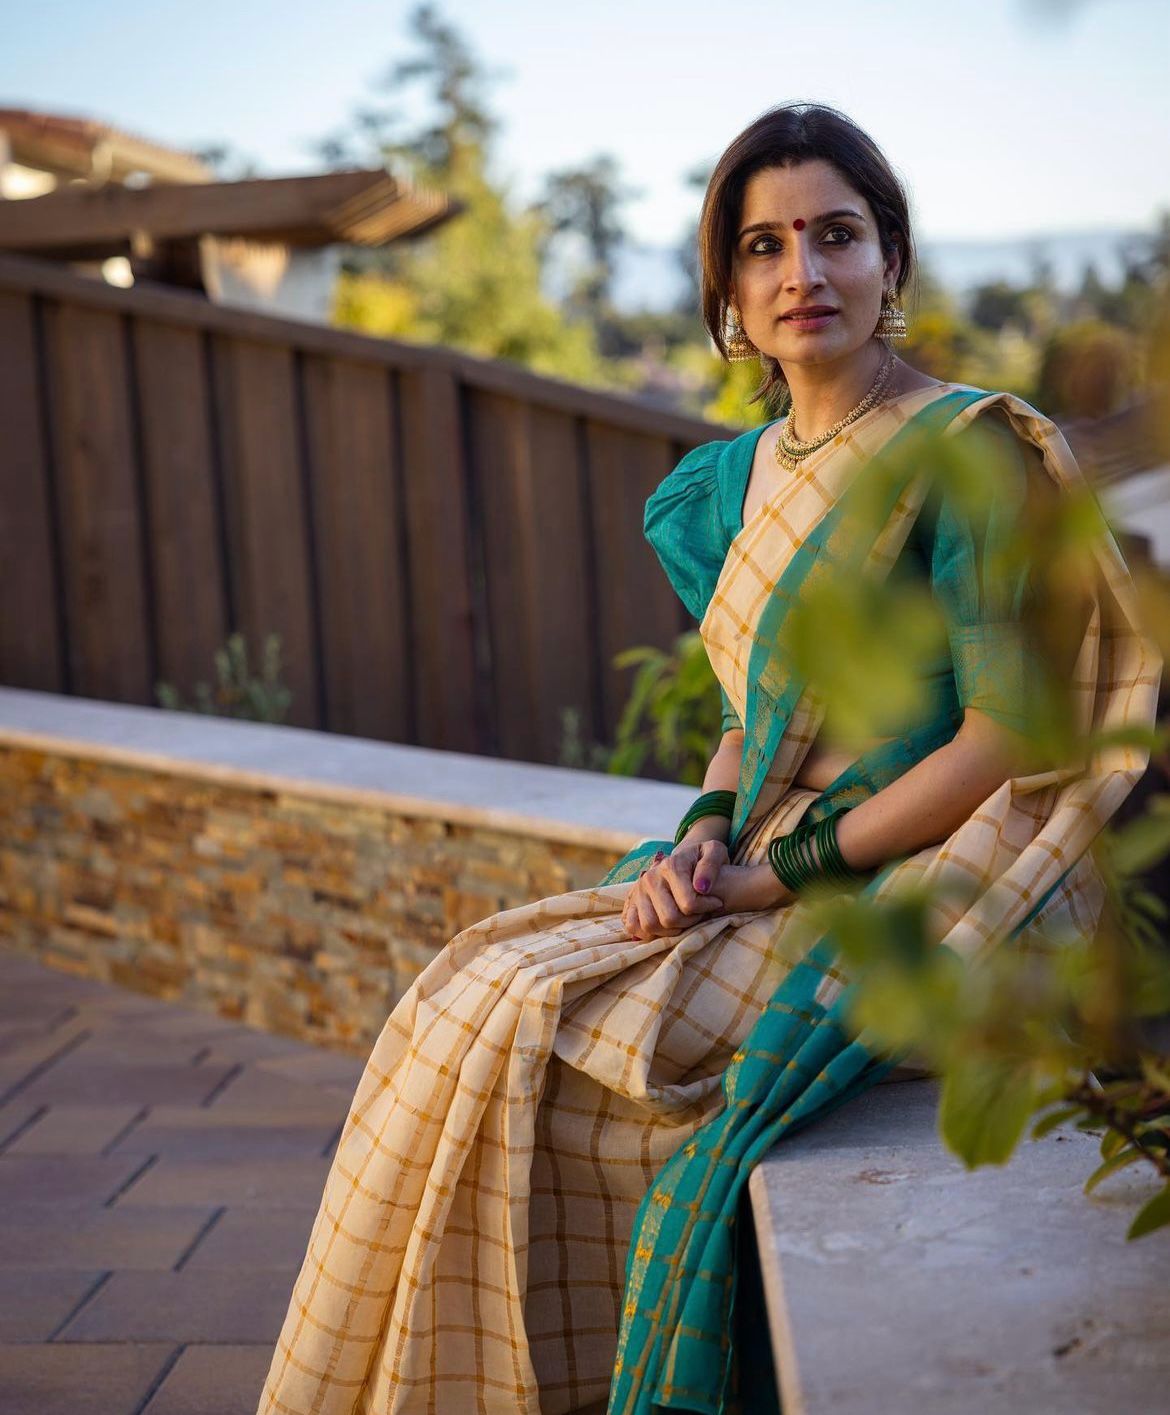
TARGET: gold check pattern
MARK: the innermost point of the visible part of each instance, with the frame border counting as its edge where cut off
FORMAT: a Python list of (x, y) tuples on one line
[(468, 1255)]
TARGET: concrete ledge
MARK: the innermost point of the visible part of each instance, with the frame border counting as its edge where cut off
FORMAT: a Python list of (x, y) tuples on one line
[(896, 1280), (293, 879), (524, 798)]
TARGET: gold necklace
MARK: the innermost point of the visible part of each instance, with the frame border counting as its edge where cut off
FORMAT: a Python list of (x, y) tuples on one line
[(790, 450)]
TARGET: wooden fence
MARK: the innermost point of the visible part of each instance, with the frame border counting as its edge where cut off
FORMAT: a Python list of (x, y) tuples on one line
[(451, 549)]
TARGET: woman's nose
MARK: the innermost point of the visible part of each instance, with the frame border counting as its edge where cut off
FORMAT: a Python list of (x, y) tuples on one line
[(801, 266)]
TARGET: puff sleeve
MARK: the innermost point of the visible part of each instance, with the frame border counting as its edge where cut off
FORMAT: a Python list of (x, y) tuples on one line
[(981, 581), (684, 523)]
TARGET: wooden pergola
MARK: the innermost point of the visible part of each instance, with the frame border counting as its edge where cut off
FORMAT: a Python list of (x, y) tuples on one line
[(160, 227)]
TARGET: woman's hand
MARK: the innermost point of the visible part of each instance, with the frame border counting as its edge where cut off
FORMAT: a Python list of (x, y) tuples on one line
[(746, 887), (674, 891)]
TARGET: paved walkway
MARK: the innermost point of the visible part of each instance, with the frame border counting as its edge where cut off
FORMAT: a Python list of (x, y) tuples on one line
[(159, 1173)]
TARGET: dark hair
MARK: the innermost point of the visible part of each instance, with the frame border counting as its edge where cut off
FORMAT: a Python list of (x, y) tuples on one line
[(793, 132)]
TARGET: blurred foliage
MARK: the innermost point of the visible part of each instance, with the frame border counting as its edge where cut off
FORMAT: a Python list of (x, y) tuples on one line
[(237, 693), (1050, 1027)]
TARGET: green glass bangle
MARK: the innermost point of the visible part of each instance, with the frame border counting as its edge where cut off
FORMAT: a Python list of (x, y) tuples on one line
[(810, 853), (710, 803), (835, 861)]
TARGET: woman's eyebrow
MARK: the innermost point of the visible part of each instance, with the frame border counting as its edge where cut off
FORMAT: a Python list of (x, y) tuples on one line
[(824, 216)]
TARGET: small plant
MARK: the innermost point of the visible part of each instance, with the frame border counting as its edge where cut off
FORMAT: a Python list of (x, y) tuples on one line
[(673, 712), (574, 752), (237, 694), (672, 716)]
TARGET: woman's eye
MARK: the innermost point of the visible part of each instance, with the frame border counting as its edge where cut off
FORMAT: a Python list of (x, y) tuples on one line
[(765, 245)]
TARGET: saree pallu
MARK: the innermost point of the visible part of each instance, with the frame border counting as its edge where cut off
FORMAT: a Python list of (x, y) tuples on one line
[(533, 1203)]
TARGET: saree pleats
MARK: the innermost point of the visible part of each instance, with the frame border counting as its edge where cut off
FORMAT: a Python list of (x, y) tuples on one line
[(535, 1200)]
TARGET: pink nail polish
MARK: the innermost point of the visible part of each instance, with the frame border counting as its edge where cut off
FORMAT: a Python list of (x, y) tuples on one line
[(702, 886)]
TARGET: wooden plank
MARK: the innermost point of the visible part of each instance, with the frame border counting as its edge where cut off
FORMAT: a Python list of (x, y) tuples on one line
[(444, 660), (103, 564), (529, 483), (182, 496), (31, 638), (622, 410), (267, 526), (635, 604), (352, 436)]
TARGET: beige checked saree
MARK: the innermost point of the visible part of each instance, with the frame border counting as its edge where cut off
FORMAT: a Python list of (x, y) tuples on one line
[(484, 1245)]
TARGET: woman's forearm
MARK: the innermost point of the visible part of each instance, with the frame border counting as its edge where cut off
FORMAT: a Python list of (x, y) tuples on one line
[(933, 798), (722, 775)]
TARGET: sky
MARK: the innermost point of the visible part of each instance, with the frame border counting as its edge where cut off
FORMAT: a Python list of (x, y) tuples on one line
[(1005, 118)]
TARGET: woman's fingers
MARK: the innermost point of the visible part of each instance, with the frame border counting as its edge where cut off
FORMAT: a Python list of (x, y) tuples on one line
[(711, 859), (672, 916), (677, 873)]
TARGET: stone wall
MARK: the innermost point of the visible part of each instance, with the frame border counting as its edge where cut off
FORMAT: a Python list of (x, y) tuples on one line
[(302, 909)]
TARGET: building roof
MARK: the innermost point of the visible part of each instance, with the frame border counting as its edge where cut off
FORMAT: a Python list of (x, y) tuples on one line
[(83, 147), (359, 207)]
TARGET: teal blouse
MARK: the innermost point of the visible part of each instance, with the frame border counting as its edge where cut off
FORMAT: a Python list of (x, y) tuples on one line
[(696, 511)]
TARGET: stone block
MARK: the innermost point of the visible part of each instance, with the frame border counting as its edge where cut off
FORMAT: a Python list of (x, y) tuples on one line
[(999, 1288), (34, 1302), (243, 1183), (214, 1380), (256, 1238), (80, 1235), (56, 1379), (73, 1130), (53, 1179), (206, 1305), (76, 1079)]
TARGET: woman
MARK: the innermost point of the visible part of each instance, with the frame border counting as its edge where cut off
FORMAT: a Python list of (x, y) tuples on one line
[(533, 1203)]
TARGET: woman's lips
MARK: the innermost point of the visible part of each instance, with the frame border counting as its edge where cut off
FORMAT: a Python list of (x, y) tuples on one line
[(809, 321)]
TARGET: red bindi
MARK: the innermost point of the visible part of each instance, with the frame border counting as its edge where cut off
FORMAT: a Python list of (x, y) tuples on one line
[(798, 224)]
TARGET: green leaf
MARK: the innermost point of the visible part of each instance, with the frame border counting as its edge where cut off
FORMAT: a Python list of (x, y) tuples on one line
[(1141, 843), (1155, 1213), (985, 1105), (1111, 1166), (1053, 1119), (1111, 1142)]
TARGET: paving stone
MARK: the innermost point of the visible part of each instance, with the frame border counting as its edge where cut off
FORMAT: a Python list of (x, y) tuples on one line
[(214, 1380), (51, 1179), (78, 1235), (207, 1304), (35, 1057), (52, 1379), (14, 1117), (73, 1130), (245, 1183), (76, 1079), (320, 1116), (282, 1098), (247, 1045), (33, 1303), (131, 1047), (31, 1022), (318, 1068), (226, 1143), (256, 1238)]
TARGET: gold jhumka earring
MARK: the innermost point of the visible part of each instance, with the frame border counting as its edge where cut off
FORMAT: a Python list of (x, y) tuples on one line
[(891, 320), (739, 346)]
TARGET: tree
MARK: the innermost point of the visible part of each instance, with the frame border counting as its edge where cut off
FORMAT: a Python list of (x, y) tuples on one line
[(585, 202), (475, 282)]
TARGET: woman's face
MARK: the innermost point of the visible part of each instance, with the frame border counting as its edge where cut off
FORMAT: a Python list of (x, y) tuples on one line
[(806, 237)]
